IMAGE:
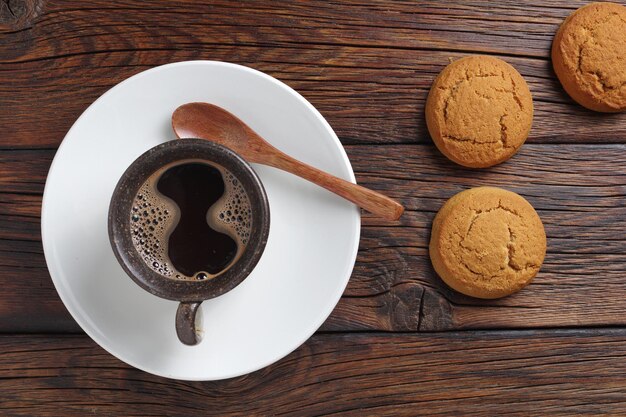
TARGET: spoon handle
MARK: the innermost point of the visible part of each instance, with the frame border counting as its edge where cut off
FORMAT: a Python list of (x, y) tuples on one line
[(367, 199)]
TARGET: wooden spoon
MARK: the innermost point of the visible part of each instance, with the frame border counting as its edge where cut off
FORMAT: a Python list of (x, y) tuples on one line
[(207, 121)]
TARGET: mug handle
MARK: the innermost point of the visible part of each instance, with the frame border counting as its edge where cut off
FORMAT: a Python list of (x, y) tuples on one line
[(186, 323)]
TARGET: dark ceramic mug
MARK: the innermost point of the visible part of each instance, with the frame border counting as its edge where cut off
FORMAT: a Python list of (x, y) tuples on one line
[(190, 293)]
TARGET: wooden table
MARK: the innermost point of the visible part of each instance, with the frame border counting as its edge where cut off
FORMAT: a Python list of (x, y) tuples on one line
[(399, 342)]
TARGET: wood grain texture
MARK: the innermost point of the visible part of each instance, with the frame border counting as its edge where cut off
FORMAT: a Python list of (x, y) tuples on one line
[(525, 373), (581, 205), (16, 15), (367, 66), (393, 287)]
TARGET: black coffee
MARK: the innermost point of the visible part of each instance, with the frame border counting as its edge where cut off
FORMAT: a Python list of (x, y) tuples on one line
[(191, 220)]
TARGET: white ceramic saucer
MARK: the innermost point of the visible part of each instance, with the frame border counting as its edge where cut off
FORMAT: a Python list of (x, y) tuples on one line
[(306, 265)]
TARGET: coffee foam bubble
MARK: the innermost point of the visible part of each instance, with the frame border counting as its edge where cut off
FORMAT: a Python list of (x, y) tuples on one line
[(232, 213), (153, 217)]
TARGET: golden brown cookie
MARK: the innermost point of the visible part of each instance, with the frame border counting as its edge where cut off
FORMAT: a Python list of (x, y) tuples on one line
[(479, 111), (487, 242), (589, 56)]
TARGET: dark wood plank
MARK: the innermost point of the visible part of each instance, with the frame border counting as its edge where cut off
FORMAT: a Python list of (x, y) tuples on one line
[(367, 66), (393, 287), (24, 172), (470, 373)]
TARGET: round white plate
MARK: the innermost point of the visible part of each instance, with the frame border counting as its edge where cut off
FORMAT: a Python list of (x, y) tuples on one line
[(306, 265)]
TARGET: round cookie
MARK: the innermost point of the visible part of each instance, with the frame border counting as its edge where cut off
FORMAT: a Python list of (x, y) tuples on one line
[(589, 56), (479, 111), (487, 242)]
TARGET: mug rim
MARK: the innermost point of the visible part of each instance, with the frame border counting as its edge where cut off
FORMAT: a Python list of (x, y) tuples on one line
[(120, 230)]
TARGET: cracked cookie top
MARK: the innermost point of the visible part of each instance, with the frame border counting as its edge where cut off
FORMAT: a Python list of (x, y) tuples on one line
[(487, 242), (589, 56), (479, 111)]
